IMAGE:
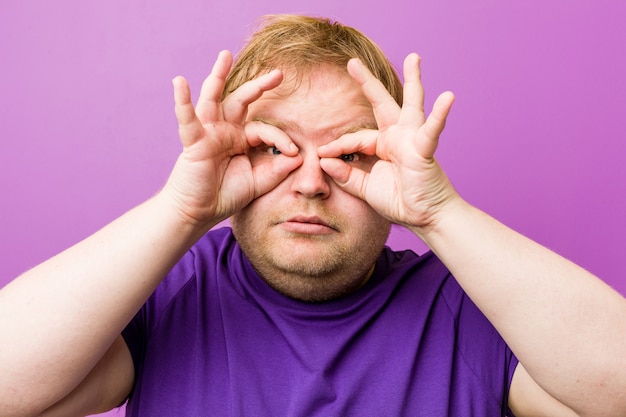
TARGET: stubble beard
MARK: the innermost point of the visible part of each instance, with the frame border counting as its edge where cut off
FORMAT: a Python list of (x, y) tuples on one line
[(312, 268)]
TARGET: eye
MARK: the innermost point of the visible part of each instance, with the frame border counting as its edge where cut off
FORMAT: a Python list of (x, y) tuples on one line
[(349, 157), (273, 150)]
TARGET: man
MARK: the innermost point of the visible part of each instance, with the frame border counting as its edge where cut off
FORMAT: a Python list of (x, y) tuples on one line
[(300, 310)]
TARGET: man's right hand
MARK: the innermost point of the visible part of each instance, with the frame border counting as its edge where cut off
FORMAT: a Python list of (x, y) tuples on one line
[(213, 177)]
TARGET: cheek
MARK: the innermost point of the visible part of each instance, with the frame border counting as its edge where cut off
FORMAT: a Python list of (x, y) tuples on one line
[(348, 204), (258, 212), (360, 214)]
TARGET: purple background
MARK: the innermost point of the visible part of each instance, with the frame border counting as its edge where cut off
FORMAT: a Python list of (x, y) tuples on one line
[(535, 137)]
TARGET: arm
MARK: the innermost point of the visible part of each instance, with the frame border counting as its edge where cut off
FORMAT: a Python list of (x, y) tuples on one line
[(566, 326), (59, 319), (106, 386)]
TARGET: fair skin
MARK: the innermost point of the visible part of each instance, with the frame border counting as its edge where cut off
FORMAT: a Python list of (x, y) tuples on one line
[(313, 240), (555, 316)]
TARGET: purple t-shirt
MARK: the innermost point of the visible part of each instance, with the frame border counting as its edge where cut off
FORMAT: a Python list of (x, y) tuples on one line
[(216, 340)]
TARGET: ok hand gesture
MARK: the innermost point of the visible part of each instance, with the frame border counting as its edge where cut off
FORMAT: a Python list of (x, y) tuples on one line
[(213, 176), (406, 185)]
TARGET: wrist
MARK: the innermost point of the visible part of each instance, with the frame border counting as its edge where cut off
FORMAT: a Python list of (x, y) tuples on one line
[(173, 212), (441, 218)]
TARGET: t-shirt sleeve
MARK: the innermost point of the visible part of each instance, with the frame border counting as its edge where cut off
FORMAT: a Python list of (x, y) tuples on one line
[(134, 336), (137, 333), (485, 352)]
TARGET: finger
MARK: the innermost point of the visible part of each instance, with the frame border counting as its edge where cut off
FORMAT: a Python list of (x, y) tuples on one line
[(436, 122), (349, 178), (413, 93), (363, 141), (271, 172), (259, 133), (209, 102), (386, 110), (235, 106), (266, 174), (189, 127)]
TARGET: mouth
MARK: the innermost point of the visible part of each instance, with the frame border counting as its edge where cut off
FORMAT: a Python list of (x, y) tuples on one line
[(307, 225)]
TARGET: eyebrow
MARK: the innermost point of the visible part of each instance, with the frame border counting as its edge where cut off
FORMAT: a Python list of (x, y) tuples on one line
[(286, 125), (282, 125)]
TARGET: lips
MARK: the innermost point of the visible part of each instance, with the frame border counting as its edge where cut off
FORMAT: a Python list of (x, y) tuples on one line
[(308, 219), (310, 225)]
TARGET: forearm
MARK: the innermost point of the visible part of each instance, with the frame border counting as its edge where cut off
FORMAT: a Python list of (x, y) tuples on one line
[(58, 319), (565, 325)]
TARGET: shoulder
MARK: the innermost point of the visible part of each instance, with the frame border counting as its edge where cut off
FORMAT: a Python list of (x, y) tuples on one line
[(214, 248), (454, 329), (193, 270), (409, 263), (424, 275)]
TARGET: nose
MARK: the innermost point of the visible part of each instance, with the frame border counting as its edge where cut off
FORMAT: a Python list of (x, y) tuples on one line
[(309, 180)]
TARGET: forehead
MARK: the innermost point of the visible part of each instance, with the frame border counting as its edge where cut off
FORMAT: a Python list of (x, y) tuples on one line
[(324, 101)]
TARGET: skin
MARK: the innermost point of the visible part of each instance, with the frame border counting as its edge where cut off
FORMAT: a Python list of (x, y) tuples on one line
[(240, 156), (308, 238), (553, 314), (73, 364)]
